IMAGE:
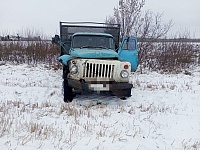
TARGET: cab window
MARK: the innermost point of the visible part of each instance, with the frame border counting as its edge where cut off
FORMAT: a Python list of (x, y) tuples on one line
[(129, 44)]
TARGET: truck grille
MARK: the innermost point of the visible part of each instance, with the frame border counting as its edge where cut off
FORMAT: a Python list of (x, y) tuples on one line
[(98, 70)]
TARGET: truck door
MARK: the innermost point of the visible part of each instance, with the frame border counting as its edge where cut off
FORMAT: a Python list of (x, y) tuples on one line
[(128, 51)]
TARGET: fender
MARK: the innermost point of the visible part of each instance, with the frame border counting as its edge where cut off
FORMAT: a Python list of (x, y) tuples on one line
[(65, 58)]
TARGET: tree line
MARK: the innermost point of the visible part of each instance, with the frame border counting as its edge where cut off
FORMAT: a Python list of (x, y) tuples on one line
[(19, 38)]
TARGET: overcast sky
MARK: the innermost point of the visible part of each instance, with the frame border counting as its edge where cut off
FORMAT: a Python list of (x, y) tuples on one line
[(44, 15)]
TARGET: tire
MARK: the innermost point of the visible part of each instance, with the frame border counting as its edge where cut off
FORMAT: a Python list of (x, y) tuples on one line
[(68, 93), (123, 94), (127, 92)]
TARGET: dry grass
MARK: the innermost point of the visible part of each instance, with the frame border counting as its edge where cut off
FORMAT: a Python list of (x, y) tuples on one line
[(67, 124), (38, 129), (29, 52), (168, 56), (164, 56), (25, 121)]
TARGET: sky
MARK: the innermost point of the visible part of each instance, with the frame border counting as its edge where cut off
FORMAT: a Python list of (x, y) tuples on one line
[(44, 16)]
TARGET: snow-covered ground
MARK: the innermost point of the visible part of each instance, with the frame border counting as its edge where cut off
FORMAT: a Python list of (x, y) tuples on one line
[(163, 113)]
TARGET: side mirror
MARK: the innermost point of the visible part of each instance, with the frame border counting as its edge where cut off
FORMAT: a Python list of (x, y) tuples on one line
[(56, 39)]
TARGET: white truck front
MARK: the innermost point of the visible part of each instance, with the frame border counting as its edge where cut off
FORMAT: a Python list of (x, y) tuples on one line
[(100, 75)]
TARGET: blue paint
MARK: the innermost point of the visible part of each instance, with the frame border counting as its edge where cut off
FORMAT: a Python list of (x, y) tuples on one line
[(128, 51), (65, 58), (94, 53), (88, 53)]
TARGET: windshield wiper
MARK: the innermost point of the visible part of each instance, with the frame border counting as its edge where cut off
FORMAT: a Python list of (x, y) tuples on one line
[(87, 46), (101, 47)]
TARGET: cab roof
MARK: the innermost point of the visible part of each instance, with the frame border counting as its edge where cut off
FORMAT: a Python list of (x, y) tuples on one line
[(90, 33)]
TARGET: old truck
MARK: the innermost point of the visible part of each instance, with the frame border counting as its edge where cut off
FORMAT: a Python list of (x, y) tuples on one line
[(94, 59)]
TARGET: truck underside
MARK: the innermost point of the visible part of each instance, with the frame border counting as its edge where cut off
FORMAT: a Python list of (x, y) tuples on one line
[(116, 88)]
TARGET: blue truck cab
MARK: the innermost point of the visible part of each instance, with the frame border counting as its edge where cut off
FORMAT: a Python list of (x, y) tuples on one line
[(94, 60)]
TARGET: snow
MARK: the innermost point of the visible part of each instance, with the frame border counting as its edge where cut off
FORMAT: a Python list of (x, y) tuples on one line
[(163, 113)]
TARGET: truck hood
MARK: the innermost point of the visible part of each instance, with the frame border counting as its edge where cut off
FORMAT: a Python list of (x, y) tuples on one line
[(88, 53), (93, 53)]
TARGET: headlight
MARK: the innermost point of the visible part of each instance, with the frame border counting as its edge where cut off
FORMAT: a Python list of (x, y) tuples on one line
[(124, 74), (74, 69)]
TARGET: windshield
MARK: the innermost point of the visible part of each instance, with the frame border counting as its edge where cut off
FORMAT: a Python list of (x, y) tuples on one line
[(93, 41)]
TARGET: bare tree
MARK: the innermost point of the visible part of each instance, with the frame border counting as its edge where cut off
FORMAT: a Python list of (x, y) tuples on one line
[(135, 22), (127, 15), (145, 25), (148, 31)]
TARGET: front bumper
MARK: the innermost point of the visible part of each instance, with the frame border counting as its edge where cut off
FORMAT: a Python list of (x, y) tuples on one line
[(98, 85)]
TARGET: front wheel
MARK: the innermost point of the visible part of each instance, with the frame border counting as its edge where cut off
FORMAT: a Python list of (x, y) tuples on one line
[(68, 93), (122, 94)]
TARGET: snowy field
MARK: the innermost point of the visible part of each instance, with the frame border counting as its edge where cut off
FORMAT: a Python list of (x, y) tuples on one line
[(163, 113)]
